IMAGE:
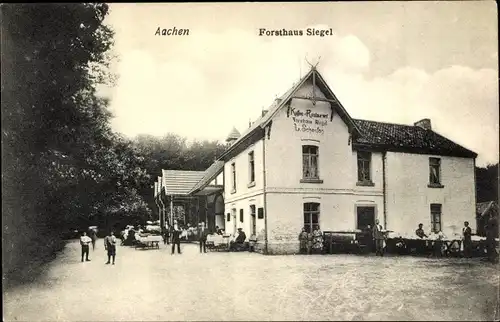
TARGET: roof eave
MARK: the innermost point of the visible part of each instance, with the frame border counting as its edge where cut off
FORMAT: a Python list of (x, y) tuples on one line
[(212, 177), (391, 148)]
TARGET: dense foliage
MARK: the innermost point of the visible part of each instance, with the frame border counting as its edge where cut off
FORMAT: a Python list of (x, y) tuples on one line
[(61, 163), (487, 183), (173, 152)]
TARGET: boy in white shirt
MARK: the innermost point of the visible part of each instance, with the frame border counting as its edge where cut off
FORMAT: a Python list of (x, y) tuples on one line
[(85, 242)]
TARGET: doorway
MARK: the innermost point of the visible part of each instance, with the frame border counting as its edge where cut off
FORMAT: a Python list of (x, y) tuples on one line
[(219, 212), (234, 221), (365, 216), (253, 221)]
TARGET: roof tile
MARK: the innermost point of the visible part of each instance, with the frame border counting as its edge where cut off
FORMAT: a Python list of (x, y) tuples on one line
[(408, 138)]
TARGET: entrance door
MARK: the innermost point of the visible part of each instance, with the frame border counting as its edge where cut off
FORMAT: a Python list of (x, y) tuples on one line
[(219, 212), (253, 222), (234, 221), (366, 216)]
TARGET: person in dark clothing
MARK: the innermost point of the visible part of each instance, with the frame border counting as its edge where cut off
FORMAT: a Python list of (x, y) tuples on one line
[(176, 237), (239, 242), (130, 240), (241, 237), (420, 231), (368, 239), (467, 234), (202, 237), (379, 237), (491, 233), (303, 241), (110, 247)]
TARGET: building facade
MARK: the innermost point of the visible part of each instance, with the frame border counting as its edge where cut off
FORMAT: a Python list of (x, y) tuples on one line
[(305, 162)]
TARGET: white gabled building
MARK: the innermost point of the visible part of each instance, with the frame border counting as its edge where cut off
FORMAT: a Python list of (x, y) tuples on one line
[(306, 162)]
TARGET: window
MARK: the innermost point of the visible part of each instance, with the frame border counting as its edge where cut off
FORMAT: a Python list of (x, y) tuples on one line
[(436, 217), (228, 217), (241, 215), (434, 171), (251, 167), (311, 216), (260, 213), (233, 175), (364, 165), (310, 171)]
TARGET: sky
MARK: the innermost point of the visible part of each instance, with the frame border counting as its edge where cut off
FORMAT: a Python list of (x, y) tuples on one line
[(393, 61)]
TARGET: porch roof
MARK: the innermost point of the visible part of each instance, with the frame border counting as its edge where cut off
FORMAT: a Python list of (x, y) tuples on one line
[(180, 182)]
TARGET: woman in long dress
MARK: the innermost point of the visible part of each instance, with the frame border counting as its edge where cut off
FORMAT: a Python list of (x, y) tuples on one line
[(317, 240), (303, 241)]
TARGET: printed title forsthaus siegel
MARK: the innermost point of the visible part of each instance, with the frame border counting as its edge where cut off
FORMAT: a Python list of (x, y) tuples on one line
[(296, 32)]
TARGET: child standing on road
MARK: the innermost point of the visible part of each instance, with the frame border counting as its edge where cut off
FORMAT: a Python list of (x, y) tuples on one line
[(110, 246), (85, 241)]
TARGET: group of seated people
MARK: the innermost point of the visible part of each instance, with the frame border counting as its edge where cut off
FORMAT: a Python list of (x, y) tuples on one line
[(236, 242), (434, 243)]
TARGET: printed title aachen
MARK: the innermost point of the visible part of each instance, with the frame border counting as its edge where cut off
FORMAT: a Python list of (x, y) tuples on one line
[(296, 32)]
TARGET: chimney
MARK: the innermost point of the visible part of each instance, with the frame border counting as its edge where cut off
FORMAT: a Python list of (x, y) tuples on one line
[(424, 123), (264, 112)]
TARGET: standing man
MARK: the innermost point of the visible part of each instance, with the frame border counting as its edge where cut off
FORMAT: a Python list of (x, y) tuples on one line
[(378, 236), (176, 237), (202, 237), (110, 246), (467, 239), (85, 241)]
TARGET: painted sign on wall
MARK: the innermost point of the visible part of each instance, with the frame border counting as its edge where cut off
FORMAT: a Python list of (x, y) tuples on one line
[(308, 121)]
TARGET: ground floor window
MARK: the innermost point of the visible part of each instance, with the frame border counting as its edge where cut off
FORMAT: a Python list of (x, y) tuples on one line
[(311, 216), (436, 217)]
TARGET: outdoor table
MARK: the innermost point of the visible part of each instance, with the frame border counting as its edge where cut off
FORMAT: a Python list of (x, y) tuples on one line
[(341, 241), (449, 250), (148, 242)]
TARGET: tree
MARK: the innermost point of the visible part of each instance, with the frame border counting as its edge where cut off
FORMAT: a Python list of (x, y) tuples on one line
[(487, 183), (172, 152), (60, 159)]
